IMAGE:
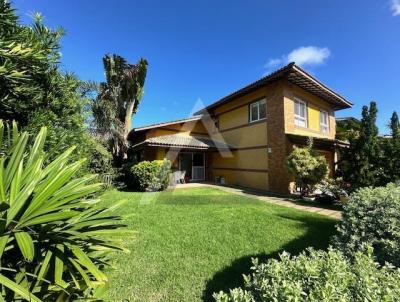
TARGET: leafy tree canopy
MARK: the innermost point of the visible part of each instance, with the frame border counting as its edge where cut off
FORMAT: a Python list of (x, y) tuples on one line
[(363, 157), (35, 93)]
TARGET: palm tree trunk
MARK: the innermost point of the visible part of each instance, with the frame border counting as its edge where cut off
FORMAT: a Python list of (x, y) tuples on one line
[(128, 124)]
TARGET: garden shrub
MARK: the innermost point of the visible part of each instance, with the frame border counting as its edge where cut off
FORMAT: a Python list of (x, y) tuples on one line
[(318, 276), (307, 167), (332, 190), (149, 175), (372, 217), (164, 173)]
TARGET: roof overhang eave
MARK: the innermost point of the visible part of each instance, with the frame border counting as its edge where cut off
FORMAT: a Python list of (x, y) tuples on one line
[(287, 72), (187, 147)]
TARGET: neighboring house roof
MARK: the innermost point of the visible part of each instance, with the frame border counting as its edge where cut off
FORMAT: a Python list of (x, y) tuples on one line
[(163, 124), (295, 75), (185, 142), (348, 118)]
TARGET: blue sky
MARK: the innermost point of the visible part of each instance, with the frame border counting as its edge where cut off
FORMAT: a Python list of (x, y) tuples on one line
[(201, 50)]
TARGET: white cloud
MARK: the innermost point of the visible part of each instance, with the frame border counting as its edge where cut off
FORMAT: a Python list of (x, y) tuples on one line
[(302, 56), (395, 7), (273, 62), (309, 55)]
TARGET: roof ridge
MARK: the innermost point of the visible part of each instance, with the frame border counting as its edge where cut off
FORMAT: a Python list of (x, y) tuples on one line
[(194, 117)]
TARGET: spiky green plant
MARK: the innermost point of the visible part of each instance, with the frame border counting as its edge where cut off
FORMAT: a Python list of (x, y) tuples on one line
[(54, 237)]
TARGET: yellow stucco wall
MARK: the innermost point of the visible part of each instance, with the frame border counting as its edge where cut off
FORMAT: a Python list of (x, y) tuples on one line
[(241, 100), (234, 118), (248, 179), (242, 159), (249, 165), (252, 135), (186, 129)]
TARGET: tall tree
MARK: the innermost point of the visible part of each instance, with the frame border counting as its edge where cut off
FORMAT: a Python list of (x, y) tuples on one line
[(117, 101), (347, 128), (34, 92), (363, 157), (28, 60), (395, 126), (391, 148)]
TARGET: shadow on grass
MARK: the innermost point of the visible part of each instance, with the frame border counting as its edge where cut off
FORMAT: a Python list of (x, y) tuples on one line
[(293, 198), (319, 232)]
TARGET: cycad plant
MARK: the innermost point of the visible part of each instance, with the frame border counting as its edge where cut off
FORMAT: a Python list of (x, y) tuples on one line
[(54, 237)]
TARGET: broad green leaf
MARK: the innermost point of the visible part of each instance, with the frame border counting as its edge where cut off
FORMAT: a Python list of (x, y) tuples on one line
[(1, 132), (3, 243), (77, 285), (2, 181), (117, 205), (25, 244), (59, 161), (16, 183), (59, 267), (58, 216), (44, 267), (18, 289), (20, 201), (15, 131), (82, 272), (87, 262), (15, 159), (37, 148), (51, 185)]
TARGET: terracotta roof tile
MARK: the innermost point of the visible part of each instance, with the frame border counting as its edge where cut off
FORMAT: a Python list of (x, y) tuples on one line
[(180, 141)]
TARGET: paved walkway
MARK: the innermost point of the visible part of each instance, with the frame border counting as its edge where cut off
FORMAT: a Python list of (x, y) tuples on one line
[(276, 200)]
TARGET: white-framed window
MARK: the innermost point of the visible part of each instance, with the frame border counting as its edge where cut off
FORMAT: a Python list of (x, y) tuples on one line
[(324, 121), (258, 110), (300, 113)]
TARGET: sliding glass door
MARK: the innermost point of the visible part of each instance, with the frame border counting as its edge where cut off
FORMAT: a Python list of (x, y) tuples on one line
[(194, 165), (198, 169)]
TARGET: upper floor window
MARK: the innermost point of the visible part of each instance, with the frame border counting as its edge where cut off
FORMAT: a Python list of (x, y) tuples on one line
[(324, 121), (300, 113), (258, 110)]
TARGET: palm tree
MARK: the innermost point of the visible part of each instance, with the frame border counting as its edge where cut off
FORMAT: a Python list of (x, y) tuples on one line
[(117, 101)]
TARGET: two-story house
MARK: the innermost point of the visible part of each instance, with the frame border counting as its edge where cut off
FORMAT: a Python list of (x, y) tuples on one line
[(244, 138)]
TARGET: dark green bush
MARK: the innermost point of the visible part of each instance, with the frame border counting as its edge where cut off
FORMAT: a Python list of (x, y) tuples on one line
[(149, 175), (372, 217), (318, 276)]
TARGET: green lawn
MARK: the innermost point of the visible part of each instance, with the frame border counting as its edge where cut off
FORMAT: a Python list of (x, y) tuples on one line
[(193, 242)]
